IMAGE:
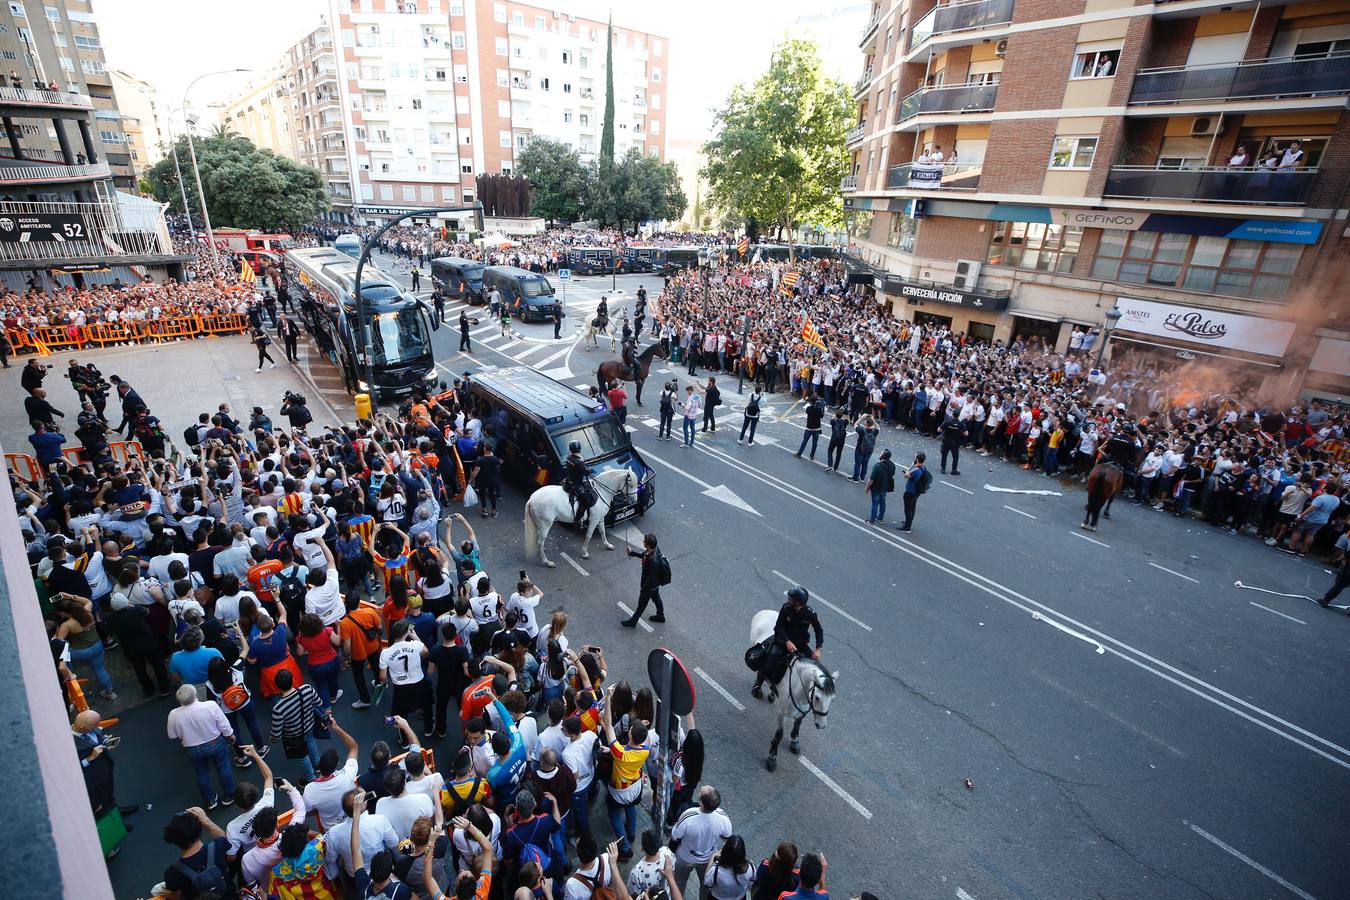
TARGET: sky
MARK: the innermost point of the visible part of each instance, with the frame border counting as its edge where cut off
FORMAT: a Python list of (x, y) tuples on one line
[(714, 44)]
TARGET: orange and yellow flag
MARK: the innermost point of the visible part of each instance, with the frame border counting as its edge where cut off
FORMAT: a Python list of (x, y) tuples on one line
[(811, 335), (788, 283), (246, 274), (743, 246)]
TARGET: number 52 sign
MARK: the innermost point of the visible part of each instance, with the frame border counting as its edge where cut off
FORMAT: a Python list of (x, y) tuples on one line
[(24, 227)]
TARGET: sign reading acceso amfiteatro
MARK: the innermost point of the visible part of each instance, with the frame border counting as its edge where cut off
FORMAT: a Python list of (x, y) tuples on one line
[(1208, 327), (23, 227)]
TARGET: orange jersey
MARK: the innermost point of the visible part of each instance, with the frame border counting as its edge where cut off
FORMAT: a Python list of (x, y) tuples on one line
[(259, 575)]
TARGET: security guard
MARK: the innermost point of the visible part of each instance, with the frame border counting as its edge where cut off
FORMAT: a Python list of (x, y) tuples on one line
[(791, 634), (576, 475)]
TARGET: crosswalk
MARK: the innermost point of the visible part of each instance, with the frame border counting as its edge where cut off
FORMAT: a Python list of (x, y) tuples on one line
[(542, 353)]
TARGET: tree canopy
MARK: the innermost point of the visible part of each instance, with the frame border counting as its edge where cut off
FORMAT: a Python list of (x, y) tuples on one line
[(557, 179), (638, 188), (245, 187), (778, 149)]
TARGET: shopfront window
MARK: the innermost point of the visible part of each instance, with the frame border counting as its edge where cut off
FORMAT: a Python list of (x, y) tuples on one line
[(1035, 245), (859, 224), (1197, 263), (902, 231)]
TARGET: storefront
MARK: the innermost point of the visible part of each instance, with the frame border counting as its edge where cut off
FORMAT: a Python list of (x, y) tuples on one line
[(975, 313)]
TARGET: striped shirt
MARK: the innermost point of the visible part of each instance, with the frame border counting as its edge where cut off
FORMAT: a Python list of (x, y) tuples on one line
[(293, 713)]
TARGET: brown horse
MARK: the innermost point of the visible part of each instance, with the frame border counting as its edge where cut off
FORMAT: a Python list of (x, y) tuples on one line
[(1104, 482), (615, 370)]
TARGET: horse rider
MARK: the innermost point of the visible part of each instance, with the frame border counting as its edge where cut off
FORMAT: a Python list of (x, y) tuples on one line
[(602, 311), (791, 635), (625, 326), (639, 310), (576, 480), (1123, 450), (630, 360)]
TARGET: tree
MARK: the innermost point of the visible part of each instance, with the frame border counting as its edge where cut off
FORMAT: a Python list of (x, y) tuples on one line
[(778, 151), (245, 187), (607, 132), (639, 189), (557, 179)]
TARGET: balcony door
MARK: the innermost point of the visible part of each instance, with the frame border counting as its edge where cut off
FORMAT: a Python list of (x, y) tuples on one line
[(1217, 48)]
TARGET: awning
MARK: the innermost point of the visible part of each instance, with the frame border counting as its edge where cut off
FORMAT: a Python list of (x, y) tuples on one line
[(861, 278), (1032, 314), (1180, 348)]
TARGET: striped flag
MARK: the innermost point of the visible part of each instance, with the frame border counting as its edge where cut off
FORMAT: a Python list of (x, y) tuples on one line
[(246, 274), (811, 336), (789, 282), (743, 246)]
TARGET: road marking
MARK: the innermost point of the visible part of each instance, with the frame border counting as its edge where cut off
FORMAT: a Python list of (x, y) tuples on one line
[(558, 374), (861, 624), (574, 564), (958, 487), (1090, 540), (832, 785), (651, 423), (513, 342), (1174, 572), (1018, 511), (554, 358), (962, 895), (628, 611), (1037, 493), (1118, 648), (726, 694), (716, 491), (481, 328), (1291, 888), (534, 348), (1152, 738), (1276, 612)]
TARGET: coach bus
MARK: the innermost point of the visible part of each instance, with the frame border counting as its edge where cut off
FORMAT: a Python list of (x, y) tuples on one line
[(322, 280), (591, 260), (677, 259), (769, 252)]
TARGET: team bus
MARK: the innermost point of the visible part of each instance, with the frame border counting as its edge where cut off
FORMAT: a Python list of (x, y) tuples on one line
[(459, 278), (322, 280), (591, 260), (677, 259), (642, 258), (534, 418), (769, 252), (349, 244)]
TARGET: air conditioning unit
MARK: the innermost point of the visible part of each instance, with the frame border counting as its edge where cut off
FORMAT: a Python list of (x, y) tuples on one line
[(1001, 47), (967, 274), (1204, 125)]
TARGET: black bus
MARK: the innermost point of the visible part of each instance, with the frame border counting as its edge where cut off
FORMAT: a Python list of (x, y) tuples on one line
[(528, 295), (459, 278), (677, 259), (769, 252), (534, 418), (591, 260), (642, 259)]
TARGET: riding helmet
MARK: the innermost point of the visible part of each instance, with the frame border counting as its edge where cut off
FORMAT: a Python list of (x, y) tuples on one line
[(574, 447), (797, 594)]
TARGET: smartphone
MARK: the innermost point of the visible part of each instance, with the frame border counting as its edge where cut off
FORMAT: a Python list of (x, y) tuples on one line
[(276, 783), (522, 574), (389, 720), (590, 648)]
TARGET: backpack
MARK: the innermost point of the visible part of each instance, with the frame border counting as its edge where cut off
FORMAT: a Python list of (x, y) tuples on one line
[(291, 591), (460, 805), (663, 573), (210, 883), (536, 854), (714, 396), (667, 402), (752, 408), (925, 481), (598, 891), (234, 698), (191, 436)]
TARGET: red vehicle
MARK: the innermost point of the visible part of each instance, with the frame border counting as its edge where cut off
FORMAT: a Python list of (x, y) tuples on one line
[(239, 240), (260, 259)]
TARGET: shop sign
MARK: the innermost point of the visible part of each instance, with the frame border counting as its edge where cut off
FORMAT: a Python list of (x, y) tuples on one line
[(1209, 327), (941, 293)]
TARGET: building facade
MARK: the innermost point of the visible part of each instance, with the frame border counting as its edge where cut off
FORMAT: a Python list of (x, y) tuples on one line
[(142, 113), (1022, 167)]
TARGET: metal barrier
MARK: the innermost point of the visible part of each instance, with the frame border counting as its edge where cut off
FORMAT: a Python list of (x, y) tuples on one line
[(123, 451), (174, 329), (58, 336), (105, 333), (18, 337), (428, 755), (224, 323), (23, 465)]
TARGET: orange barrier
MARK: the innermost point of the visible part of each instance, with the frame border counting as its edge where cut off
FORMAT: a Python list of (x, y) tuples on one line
[(428, 755), (23, 465), (231, 323), (105, 333), (59, 337), (174, 328), (75, 456), (18, 337), (123, 451)]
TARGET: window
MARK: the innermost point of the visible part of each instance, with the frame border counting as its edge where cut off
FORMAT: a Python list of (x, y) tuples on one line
[(567, 87), (52, 13), (67, 64), (517, 18), (448, 194), (468, 196), (585, 120), (1095, 63), (501, 47), (17, 10), (461, 73), (59, 39), (654, 151), (656, 101), (456, 9), (656, 127), (504, 108), (409, 193), (504, 138), (499, 12), (1034, 245), (1073, 153), (656, 74), (567, 115), (92, 67), (503, 78), (543, 84), (567, 57), (656, 48), (457, 40), (417, 103), (1197, 263), (585, 62), (466, 168), (394, 71), (506, 167), (427, 194), (539, 22), (437, 74), (87, 43)]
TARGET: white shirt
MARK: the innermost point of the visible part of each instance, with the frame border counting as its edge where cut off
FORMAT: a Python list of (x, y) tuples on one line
[(553, 738), (403, 661), (325, 601), (159, 566), (237, 830), (403, 811), (324, 796), (310, 546), (429, 784), (469, 849), (376, 835), (693, 405), (580, 758), (485, 608), (525, 606), (598, 872), (198, 723), (227, 607), (700, 835)]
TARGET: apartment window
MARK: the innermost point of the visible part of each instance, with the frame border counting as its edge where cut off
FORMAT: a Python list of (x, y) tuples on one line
[(540, 23), (506, 167), (584, 62), (462, 106), (417, 103), (504, 138), (656, 48), (409, 193), (567, 116), (58, 38), (112, 137), (521, 140), (543, 84), (394, 71), (501, 47), (468, 196), (499, 12), (504, 108), (656, 101), (53, 13), (466, 168), (67, 65), (385, 167), (1073, 153), (448, 194), (1095, 63), (654, 151), (1213, 265), (353, 71), (901, 232), (503, 78), (567, 57), (18, 11), (437, 74), (585, 120), (87, 43), (457, 40), (656, 127), (567, 87), (92, 67), (1034, 245), (517, 18), (428, 195)]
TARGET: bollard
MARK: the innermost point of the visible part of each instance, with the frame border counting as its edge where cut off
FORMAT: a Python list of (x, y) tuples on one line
[(363, 409)]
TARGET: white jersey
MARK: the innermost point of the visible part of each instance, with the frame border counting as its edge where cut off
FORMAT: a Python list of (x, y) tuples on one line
[(403, 661)]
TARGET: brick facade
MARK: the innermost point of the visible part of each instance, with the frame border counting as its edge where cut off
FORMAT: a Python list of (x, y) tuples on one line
[(942, 237), (1021, 148), (1023, 84), (1169, 43)]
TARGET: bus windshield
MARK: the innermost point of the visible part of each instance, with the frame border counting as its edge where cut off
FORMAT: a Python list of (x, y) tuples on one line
[(536, 287), (399, 337), (600, 438)]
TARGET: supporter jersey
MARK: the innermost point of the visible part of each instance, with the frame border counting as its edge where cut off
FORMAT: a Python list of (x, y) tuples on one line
[(476, 698), (260, 575), (403, 661)]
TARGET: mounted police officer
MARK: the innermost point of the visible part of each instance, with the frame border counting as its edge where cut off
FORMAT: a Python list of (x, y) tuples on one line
[(576, 479), (1123, 449), (602, 311), (791, 635), (630, 360)]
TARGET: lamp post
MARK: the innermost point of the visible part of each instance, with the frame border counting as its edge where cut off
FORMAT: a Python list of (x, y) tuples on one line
[(745, 336), (182, 188), (1112, 317), (192, 149)]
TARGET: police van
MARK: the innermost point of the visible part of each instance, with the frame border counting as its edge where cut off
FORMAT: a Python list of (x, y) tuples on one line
[(527, 295), (642, 259), (591, 260), (459, 278), (534, 418)]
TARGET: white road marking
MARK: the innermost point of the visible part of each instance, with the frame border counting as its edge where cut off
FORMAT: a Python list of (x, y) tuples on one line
[(628, 611), (1291, 888), (819, 599), (1276, 612), (513, 342), (1090, 540), (1038, 493), (1174, 572), (958, 487), (557, 374), (726, 694), (716, 491), (1152, 738), (962, 895), (651, 423), (574, 564), (480, 329), (533, 348), (1118, 648), (1018, 511), (832, 785), (554, 358)]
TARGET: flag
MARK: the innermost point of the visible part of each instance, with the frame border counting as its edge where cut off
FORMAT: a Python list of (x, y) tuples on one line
[(789, 282), (743, 246), (246, 272), (811, 336)]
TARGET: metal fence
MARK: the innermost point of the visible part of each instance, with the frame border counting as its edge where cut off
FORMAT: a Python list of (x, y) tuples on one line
[(52, 98), (1287, 77), (112, 230), (25, 174), (1214, 184)]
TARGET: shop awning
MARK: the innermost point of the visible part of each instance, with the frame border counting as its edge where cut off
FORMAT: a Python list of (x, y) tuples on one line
[(1181, 348), (1032, 314)]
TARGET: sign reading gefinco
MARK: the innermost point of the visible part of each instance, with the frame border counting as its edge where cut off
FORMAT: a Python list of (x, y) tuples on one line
[(1209, 327), (1123, 219)]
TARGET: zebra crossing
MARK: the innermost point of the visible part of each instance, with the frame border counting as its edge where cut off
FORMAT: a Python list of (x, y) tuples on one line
[(542, 353)]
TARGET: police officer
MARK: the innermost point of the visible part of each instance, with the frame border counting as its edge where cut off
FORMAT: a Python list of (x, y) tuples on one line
[(1123, 450), (438, 299), (602, 311), (464, 331), (953, 432), (639, 310), (791, 634), (575, 475), (630, 361), (557, 320)]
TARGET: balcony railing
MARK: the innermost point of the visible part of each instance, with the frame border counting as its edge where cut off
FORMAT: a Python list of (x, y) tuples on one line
[(864, 81), (36, 174), (1214, 184), (957, 176), (68, 99), (109, 230), (956, 98), (855, 134), (848, 183), (871, 27), (1286, 77), (961, 17)]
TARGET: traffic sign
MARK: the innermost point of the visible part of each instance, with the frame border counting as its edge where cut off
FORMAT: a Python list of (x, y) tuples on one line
[(564, 274), (671, 681)]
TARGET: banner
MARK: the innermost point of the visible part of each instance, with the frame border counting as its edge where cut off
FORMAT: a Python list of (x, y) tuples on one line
[(1210, 327), (925, 175)]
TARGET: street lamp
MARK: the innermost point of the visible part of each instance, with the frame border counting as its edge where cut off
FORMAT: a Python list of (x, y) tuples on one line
[(745, 337), (192, 149), (1112, 318), (182, 188)]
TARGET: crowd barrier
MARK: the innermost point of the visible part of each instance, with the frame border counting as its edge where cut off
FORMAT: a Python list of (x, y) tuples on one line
[(23, 465), (121, 451), (50, 338)]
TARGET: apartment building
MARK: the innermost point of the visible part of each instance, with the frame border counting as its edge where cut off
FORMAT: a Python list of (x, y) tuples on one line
[(434, 92), (142, 119), (1172, 171)]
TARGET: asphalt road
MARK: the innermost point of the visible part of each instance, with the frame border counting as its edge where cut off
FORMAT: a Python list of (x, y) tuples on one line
[(1133, 724)]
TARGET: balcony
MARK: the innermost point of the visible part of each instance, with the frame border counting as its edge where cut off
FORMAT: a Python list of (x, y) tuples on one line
[(1212, 184), (848, 183), (855, 134), (1286, 77), (55, 99), (956, 98), (134, 228), (955, 17), (21, 175), (863, 82), (956, 176), (870, 31)]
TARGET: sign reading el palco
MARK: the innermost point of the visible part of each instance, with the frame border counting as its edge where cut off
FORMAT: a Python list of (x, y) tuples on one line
[(932, 293), (24, 227), (1208, 327)]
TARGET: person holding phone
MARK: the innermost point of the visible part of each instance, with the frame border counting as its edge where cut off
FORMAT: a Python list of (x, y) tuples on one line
[(401, 664)]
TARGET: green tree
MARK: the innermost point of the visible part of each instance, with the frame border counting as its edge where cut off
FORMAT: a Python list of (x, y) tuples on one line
[(557, 179), (245, 187), (778, 152), (638, 189), (607, 132)]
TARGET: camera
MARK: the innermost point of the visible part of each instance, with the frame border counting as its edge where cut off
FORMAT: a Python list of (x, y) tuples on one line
[(295, 398)]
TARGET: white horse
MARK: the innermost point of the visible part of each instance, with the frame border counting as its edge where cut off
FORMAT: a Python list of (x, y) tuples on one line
[(805, 689), (550, 504), (606, 327)]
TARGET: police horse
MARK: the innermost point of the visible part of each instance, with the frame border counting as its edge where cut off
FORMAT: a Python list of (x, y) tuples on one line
[(601, 324), (805, 689), (550, 504), (615, 370), (1104, 482)]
